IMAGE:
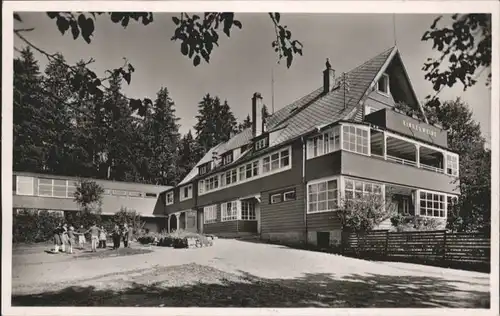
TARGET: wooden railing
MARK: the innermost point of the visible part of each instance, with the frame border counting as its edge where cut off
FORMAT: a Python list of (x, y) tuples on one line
[(437, 246), (407, 162)]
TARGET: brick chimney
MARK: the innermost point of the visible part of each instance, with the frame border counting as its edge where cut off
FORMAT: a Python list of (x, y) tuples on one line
[(328, 77), (257, 120)]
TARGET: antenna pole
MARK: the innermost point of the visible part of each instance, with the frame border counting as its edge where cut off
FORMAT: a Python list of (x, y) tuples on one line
[(394, 29)]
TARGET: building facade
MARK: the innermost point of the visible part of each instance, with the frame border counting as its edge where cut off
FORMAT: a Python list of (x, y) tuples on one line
[(283, 178), (56, 194)]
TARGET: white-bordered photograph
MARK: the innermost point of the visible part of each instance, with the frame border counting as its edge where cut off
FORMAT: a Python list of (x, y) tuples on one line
[(272, 158)]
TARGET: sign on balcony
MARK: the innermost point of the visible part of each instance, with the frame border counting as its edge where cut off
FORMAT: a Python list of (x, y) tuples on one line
[(406, 125)]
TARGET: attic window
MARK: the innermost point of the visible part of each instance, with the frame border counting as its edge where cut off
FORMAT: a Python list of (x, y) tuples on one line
[(205, 168), (383, 84), (261, 143), (227, 158)]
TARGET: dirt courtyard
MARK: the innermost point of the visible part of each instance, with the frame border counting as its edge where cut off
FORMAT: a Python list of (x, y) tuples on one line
[(236, 273)]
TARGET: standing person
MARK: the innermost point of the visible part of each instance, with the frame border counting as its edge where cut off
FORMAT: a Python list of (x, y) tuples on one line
[(130, 235), (94, 236), (57, 238), (116, 237), (64, 236), (71, 239), (81, 237), (125, 235), (102, 238)]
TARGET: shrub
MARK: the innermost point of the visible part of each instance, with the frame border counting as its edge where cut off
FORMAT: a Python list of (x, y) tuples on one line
[(403, 223), (131, 217), (32, 225), (88, 196)]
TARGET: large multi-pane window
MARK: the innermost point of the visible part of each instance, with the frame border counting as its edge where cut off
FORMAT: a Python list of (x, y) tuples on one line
[(432, 204), (355, 139), (273, 162), (322, 196), (24, 185), (229, 177), (210, 214), (229, 211), (248, 211), (356, 189), (276, 161), (452, 165), (56, 188), (323, 144)]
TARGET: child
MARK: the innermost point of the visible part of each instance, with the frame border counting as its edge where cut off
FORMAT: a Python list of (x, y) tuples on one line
[(94, 236), (116, 237), (71, 239), (64, 237), (57, 238), (81, 237), (125, 235), (102, 238)]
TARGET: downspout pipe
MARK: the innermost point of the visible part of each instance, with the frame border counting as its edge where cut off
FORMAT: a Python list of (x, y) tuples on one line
[(304, 184)]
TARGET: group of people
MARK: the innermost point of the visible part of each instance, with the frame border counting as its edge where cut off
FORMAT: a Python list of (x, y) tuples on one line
[(65, 237)]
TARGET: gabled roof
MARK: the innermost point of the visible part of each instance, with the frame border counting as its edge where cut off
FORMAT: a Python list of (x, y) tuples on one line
[(312, 110)]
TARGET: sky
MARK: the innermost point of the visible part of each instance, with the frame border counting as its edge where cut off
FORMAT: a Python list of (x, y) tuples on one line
[(244, 63)]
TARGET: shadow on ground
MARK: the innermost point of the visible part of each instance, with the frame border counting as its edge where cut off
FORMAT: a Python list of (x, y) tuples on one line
[(311, 290)]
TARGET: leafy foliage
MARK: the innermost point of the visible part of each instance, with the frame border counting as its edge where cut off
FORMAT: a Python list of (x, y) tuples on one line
[(473, 211), (129, 217), (364, 214), (405, 223), (88, 196), (465, 50), (30, 226)]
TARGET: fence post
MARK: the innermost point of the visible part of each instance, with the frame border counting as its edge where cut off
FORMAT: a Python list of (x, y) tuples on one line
[(386, 243), (444, 246)]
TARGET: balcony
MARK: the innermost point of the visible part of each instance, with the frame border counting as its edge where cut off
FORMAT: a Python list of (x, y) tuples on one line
[(397, 149)]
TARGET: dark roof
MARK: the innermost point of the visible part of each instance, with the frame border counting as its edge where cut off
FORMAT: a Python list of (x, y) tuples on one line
[(304, 114)]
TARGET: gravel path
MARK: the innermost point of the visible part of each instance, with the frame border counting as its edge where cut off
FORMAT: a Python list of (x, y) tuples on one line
[(238, 273)]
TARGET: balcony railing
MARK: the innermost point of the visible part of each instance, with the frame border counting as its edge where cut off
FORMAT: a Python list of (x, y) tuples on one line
[(407, 162)]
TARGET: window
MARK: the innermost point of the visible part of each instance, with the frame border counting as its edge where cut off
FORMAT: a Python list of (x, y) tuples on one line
[(261, 143), (107, 191), (134, 194), (170, 197), (289, 196), (383, 84), (24, 185), (266, 166), (210, 214), (186, 192), (276, 198), (276, 161), (452, 201), (229, 177), (56, 188), (201, 186), (229, 211), (248, 211), (452, 165), (355, 139), (323, 144), (203, 169), (284, 196), (119, 192), (44, 187), (151, 195), (212, 183), (432, 204), (355, 189), (227, 158), (322, 196)]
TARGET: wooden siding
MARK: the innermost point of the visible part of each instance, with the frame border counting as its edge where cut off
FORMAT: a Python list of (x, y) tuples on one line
[(271, 182), (323, 221), (323, 166), (285, 216), (393, 173), (247, 226), (181, 205)]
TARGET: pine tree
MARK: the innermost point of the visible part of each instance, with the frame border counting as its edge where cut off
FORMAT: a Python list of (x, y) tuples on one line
[(189, 154), (227, 123), (163, 138), (57, 117), (29, 152), (247, 123)]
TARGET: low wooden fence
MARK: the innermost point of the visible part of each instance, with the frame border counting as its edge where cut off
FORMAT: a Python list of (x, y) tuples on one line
[(434, 246)]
